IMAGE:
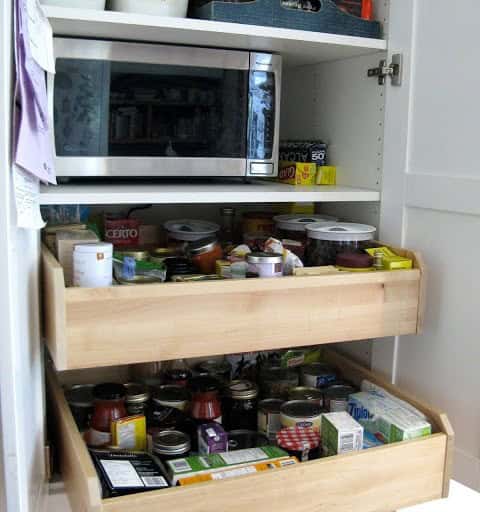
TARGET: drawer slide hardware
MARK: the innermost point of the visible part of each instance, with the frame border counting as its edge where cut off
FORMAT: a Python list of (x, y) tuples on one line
[(394, 70)]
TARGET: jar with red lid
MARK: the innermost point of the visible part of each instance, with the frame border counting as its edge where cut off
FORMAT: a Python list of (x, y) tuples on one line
[(109, 405), (206, 406), (205, 253)]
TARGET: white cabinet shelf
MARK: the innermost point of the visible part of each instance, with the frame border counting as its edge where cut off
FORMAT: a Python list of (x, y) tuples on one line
[(197, 193), (298, 47)]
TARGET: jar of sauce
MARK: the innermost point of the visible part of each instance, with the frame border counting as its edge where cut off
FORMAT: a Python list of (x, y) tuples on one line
[(109, 405), (240, 406), (205, 253), (206, 406)]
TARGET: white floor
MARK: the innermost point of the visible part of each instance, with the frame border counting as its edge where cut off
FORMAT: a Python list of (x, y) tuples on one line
[(462, 499)]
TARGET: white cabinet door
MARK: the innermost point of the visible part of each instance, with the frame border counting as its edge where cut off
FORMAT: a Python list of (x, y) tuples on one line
[(430, 202)]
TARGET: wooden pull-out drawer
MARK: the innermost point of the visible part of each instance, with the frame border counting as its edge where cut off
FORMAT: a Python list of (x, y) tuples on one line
[(86, 328), (375, 480)]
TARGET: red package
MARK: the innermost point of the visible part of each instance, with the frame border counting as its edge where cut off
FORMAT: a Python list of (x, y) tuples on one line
[(122, 232)]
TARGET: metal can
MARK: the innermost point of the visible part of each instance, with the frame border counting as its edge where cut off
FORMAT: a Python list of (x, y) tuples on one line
[(136, 400), (172, 395), (269, 417), (335, 397), (305, 393), (318, 375), (301, 413), (170, 444)]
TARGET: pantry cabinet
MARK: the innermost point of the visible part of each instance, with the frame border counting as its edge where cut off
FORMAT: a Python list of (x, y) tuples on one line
[(407, 163)]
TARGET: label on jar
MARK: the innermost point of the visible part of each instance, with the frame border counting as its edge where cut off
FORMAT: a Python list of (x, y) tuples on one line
[(98, 438)]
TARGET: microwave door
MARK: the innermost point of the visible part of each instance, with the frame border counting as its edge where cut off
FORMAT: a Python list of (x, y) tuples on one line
[(126, 109)]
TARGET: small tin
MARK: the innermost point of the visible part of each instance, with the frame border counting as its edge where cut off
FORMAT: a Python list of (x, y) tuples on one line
[(335, 397), (269, 417), (318, 375), (137, 398), (301, 413), (305, 393), (172, 395), (80, 400), (243, 439), (171, 444)]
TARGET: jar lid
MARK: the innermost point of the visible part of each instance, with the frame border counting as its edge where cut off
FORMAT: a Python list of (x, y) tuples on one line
[(190, 229), (80, 395), (136, 393), (301, 409), (170, 393), (137, 253), (299, 222), (264, 257), (93, 247), (204, 384), (305, 393), (202, 246), (243, 439), (298, 439), (339, 391), (318, 369), (242, 390), (340, 231), (171, 442), (109, 391), (354, 260), (272, 405)]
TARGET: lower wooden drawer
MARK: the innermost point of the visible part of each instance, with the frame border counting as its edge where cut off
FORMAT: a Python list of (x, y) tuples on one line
[(376, 480)]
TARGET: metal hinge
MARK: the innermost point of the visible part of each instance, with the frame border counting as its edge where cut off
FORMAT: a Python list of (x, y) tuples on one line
[(394, 70)]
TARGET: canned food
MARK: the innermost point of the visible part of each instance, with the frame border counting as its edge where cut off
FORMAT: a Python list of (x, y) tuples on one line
[(269, 417), (276, 382), (243, 439), (335, 397), (172, 395), (301, 413), (318, 375), (136, 400), (305, 393), (171, 444)]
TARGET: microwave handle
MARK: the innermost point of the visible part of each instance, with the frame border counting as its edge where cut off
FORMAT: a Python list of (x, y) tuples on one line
[(265, 166)]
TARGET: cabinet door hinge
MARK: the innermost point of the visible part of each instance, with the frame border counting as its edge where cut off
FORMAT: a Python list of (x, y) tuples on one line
[(394, 70)]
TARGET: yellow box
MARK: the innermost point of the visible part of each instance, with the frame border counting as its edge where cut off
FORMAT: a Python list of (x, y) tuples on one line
[(130, 433), (297, 173), (326, 175), (391, 261)]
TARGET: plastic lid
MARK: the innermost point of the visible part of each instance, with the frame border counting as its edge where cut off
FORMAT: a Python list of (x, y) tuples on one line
[(80, 395), (93, 247), (301, 409), (264, 257), (340, 231), (171, 442), (298, 439), (136, 393), (109, 391), (242, 390), (299, 222), (354, 260), (190, 229)]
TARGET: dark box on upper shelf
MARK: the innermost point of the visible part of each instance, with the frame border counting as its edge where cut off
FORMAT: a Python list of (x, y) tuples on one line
[(329, 18)]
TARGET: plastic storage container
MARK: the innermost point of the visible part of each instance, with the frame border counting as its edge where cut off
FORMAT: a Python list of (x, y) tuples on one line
[(190, 230), (327, 239), (172, 8), (294, 227), (92, 265)]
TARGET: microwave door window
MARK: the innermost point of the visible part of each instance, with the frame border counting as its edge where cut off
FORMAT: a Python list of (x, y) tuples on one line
[(262, 115)]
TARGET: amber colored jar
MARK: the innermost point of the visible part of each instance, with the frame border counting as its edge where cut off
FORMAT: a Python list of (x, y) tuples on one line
[(109, 405), (205, 253), (206, 406)]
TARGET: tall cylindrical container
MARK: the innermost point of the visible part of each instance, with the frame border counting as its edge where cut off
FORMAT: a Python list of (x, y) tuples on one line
[(92, 265)]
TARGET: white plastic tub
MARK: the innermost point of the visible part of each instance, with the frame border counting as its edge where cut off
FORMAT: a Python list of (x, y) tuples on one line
[(98, 5), (173, 8)]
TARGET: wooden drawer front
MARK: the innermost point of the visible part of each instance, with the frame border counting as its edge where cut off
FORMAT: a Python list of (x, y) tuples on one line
[(376, 480), (132, 324)]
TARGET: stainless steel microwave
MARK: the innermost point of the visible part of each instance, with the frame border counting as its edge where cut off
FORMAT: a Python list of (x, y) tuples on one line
[(132, 110)]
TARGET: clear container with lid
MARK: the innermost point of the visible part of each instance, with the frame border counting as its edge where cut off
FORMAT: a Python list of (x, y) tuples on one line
[(327, 239), (239, 406), (265, 264), (136, 399), (204, 254), (293, 227), (171, 444), (190, 230)]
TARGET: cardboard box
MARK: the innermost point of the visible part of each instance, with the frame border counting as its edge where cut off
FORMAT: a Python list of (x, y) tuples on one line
[(308, 151), (326, 175), (340, 434), (212, 439), (297, 173), (65, 242)]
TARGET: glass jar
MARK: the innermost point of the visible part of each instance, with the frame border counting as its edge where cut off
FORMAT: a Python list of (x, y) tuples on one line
[(327, 239), (276, 382), (293, 227), (240, 406), (172, 395), (219, 369), (137, 398), (178, 373), (205, 253), (80, 399), (206, 406), (171, 444), (109, 405)]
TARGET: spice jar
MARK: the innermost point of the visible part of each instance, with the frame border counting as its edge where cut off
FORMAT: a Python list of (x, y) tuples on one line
[(171, 444), (80, 399), (265, 264), (327, 239), (205, 253), (137, 398), (240, 406), (109, 405), (206, 406)]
